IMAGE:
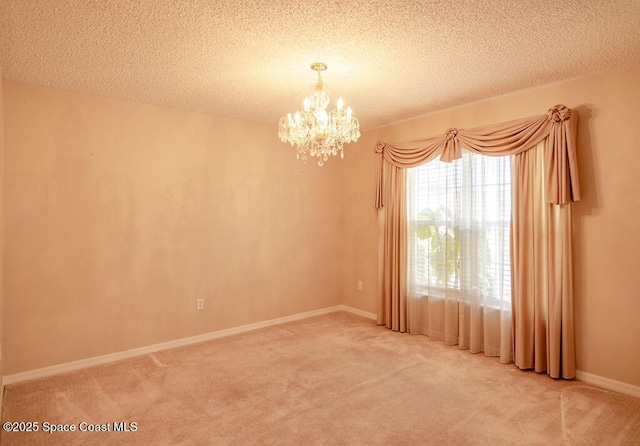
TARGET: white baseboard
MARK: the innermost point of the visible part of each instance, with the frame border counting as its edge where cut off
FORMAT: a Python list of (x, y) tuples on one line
[(112, 357), (609, 384), (358, 312), (585, 377)]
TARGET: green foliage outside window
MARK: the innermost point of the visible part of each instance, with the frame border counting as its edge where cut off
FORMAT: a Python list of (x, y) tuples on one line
[(443, 244)]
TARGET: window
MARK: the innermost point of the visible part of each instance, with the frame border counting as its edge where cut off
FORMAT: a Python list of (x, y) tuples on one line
[(459, 229)]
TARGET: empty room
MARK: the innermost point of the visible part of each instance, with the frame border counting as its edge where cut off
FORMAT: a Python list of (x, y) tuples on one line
[(324, 223)]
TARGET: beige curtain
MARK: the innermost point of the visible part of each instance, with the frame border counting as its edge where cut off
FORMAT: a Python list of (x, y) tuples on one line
[(392, 306), (543, 343), (542, 272)]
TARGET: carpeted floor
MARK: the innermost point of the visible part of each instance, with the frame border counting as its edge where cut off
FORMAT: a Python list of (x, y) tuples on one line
[(336, 379)]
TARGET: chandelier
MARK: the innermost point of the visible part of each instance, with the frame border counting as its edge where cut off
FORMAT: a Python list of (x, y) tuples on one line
[(316, 131)]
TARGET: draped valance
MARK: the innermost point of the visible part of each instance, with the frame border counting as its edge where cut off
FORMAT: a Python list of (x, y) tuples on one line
[(557, 126)]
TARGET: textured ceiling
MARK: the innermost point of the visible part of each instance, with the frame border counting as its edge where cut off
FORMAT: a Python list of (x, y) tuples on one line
[(390, 60)]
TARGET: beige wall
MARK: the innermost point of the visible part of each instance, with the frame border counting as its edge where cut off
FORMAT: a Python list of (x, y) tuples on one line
[(119, 215), (1, 236), (607, 220)]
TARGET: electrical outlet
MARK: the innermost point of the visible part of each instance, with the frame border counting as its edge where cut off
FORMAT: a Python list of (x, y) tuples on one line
[(199, 304), (360, 285)]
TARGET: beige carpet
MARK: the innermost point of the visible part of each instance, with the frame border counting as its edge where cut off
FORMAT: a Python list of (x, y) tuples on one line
[(596, 417), (336, 379)]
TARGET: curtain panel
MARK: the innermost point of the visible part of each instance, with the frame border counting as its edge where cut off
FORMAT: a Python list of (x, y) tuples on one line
[(543, 340)]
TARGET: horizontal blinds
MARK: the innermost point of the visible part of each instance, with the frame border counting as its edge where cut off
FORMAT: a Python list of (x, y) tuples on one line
[(460, 219)]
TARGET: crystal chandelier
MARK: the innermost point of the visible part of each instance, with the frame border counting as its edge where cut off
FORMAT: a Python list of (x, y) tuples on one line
[(316, 131)]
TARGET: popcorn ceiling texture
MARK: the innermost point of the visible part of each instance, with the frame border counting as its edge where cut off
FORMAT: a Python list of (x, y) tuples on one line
[(389, 60)]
